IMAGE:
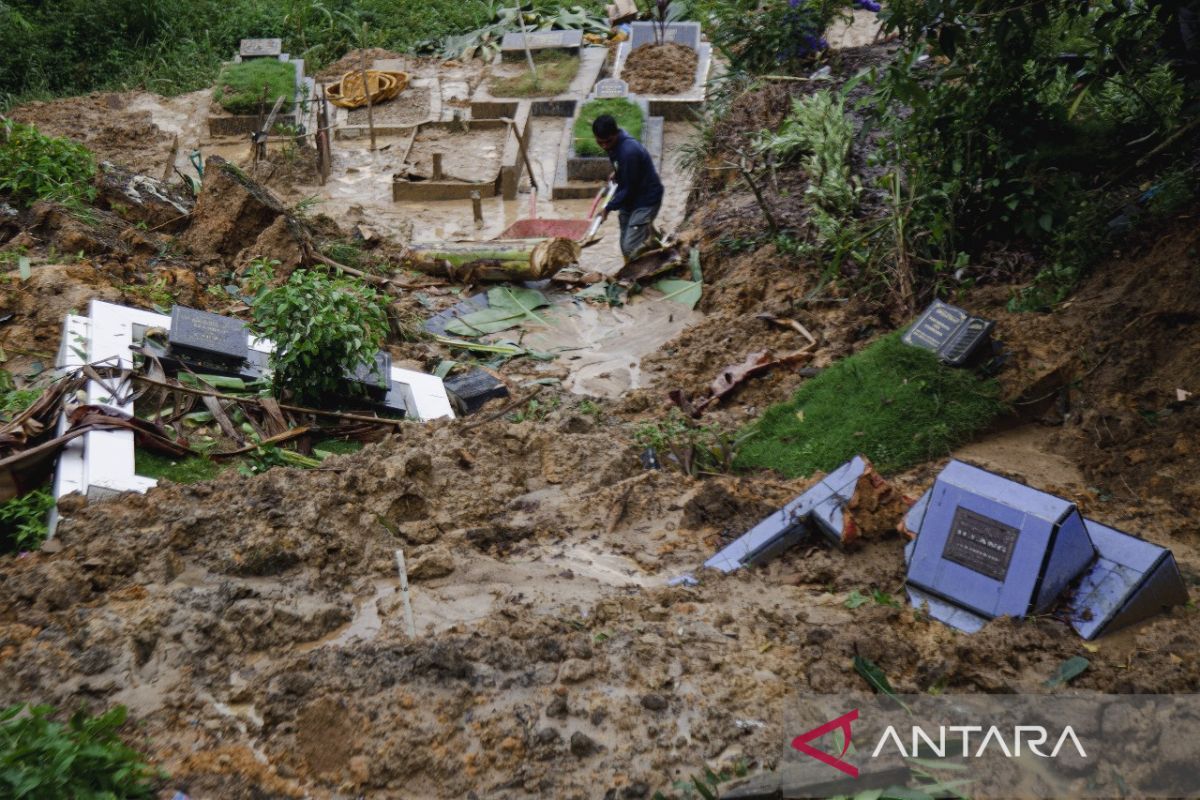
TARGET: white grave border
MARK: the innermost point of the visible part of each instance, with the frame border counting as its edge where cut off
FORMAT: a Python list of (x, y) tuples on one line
[(100, 464)]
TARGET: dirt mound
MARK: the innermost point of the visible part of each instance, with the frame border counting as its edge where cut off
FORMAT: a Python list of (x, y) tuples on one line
[(660, 69), (353, 60), (237, 220), (107, 125)]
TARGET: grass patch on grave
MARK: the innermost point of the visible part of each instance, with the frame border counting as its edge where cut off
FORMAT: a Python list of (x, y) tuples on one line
[(239, 87), (895, 404), (177, 470), (555, 71), (627, 114), (338, 447)]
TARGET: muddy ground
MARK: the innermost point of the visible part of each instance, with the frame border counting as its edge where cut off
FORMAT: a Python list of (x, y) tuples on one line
[(253, 625)]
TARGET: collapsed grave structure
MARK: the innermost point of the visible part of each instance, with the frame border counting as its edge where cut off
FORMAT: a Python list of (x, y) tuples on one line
[(100, 464)]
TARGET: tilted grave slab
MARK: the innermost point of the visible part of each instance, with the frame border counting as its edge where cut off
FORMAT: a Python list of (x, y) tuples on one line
[(795, 521), (994, 547), (956, 337), (1131, 580)]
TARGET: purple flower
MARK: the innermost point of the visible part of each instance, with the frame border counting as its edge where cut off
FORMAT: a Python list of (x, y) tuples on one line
[(868, 5)]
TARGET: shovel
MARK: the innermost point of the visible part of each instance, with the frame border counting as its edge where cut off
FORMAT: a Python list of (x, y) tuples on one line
[(606, 192)]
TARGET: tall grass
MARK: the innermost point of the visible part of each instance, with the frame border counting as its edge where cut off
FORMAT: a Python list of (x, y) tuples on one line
[(75, 46)]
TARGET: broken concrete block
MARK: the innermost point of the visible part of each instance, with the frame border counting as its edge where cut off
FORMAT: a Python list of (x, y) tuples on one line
[(862, 504), (1130, 580), (995, 547)]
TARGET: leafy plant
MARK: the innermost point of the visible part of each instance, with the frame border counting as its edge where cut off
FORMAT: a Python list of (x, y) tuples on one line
[(692, 449), (38, 167), (484, 41), (627, 114), (323, 327), (81, 759), (242, 87), (23, 520), (771, 36)]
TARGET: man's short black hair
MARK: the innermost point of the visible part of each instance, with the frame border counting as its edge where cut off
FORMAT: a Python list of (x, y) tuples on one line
[(604, 126)]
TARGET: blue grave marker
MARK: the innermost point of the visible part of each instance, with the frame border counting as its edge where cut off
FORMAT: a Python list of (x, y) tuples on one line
[(994, 547)]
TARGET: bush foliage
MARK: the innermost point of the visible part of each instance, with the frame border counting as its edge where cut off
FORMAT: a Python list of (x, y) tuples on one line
[(322, 327), (893, 403), (81, 759), (38, 167)]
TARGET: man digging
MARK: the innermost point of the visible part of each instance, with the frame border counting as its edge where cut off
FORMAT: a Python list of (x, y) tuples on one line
[(639, 191)]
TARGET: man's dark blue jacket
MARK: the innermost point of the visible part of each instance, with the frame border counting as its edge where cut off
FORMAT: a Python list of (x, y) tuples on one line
[(638, 185)]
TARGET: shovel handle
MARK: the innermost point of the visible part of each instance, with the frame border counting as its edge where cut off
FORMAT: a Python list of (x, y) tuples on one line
[(599, 196)]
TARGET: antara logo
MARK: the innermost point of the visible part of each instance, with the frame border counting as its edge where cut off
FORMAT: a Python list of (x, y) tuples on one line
[(801, 743), (1032, 737)]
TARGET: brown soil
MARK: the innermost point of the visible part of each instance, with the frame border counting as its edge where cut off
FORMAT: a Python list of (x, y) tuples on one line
[(105, 123), (408, 108), (254, 628), (660, 69)]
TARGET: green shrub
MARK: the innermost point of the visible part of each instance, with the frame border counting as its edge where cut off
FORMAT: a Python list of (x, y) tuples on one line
[(83, 759), (239, 87), (893, 403), (23, 521), (322, 326), (38, 167), (627, 113)]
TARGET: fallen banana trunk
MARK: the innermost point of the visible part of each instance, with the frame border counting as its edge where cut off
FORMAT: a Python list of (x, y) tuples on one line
[(473, 262)]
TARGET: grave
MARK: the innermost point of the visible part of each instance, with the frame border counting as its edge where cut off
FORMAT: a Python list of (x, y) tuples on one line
[(512, 46), (581, 177), (373, 378), (222, 123), (988, 546), (818, 508), (260, 48), (434, 144), (485, 105), (610, 87), (100, 464), (672, 107), (952, 334)]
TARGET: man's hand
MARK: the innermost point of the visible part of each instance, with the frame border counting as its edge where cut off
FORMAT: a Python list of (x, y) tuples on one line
[(612, 176), (603, 216)]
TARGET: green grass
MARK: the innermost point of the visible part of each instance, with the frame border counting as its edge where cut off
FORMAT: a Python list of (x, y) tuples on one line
[(339, 447), (72, 47), (185, 470), (627, 113), (555, 71), (239, 87), (893, 403)]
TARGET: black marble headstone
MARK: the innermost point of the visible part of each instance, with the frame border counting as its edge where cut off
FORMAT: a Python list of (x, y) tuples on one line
[(376, 377), (208, 337), (954, 335)]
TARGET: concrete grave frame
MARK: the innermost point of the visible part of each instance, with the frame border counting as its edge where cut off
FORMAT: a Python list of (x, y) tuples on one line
[(100, 464), (504, 184), (580, 177), (674, 107), (345, 129), (484, 105), (223, 124)]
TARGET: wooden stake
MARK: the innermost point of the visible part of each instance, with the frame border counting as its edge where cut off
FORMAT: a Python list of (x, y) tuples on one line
[(404, 596), (477, 209), (437, 167), (366, 87)]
